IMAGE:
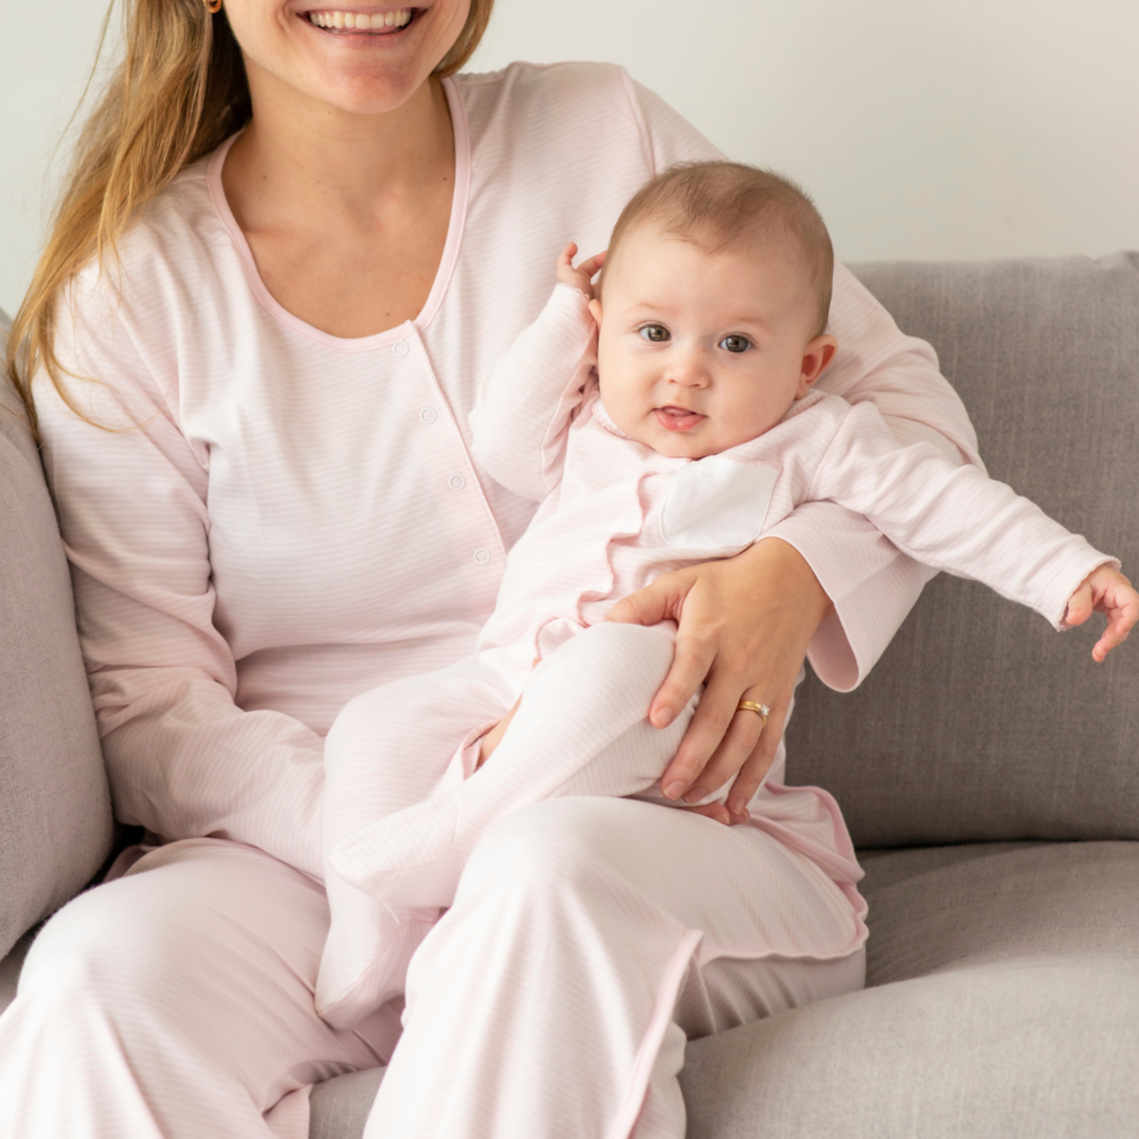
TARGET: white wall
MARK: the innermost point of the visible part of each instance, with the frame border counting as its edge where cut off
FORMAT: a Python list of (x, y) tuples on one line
[(963, 129)]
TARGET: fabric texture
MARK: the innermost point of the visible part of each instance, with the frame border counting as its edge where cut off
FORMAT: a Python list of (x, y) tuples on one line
[(1006, 736), (55, 821), (201, 961)]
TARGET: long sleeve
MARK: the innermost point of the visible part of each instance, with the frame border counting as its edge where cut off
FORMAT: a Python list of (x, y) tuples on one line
[(953, 517), (524, 407), (872, 585), (183, 759)]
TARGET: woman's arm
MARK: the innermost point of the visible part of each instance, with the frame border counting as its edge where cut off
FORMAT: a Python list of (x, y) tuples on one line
[(183, 759)]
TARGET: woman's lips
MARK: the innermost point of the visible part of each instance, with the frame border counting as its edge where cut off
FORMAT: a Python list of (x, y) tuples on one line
[(677, 418)]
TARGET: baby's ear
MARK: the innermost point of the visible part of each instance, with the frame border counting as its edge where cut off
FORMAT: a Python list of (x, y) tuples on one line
[(816, 357), (595, 310)]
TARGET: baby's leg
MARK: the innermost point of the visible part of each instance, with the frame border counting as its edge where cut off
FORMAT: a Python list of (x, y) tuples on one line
[(581, 729), (387, 750)]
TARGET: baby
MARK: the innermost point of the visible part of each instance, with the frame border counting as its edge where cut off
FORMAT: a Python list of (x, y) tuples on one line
[(699, 431)]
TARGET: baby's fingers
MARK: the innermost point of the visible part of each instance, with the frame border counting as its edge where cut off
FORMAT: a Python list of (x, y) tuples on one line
[(1121, 605), (592, 265), (1080, 605), (566, 272)]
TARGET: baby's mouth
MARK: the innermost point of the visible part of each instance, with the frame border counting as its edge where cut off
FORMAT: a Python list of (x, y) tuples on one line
[(340, 22), (677, 418)]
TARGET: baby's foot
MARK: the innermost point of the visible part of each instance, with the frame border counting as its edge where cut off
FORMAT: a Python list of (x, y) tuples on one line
[(365, 959)]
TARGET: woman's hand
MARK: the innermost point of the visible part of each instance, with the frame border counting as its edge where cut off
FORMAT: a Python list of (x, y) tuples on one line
[(744, 626)]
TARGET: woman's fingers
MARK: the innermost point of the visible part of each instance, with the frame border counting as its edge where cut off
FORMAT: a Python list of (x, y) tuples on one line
[(716, 811), (662, 600), (732, 752), (744, 752), (758, 764)]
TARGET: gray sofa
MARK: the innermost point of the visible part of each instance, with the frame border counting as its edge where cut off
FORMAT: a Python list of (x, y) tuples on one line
[(988, 768)]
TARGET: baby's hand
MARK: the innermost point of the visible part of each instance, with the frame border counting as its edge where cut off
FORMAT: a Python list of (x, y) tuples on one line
[(580, 278), (1107, 590)]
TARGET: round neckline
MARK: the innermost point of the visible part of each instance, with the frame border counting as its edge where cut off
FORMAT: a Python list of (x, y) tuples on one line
[(443, 274)]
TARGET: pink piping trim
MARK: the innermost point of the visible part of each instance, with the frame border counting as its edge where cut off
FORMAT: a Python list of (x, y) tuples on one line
[(442, 277), (650, 1046)]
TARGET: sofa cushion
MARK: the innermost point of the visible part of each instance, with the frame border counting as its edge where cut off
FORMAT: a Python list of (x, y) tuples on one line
[(1013, 1010), (10, 967), (944, 908), (980, 723), (55, 817), (340, 1106)]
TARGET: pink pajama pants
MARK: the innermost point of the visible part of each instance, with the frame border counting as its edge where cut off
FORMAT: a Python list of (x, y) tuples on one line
[(404, 807), (588, 936)]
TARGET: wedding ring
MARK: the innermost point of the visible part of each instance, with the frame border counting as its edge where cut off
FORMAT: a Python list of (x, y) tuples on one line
[(761, 710)]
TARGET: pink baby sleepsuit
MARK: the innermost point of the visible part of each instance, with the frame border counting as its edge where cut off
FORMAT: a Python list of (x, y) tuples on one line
[(615, 515), (296, 519)]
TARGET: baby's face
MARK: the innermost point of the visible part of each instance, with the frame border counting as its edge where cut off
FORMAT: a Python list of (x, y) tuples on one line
[(698, 351)]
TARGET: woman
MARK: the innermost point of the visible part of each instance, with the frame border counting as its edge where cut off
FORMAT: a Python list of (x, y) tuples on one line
[(269, 508)]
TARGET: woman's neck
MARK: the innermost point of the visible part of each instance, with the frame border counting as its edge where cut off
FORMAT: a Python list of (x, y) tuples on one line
[(297, 154), (346, 214)]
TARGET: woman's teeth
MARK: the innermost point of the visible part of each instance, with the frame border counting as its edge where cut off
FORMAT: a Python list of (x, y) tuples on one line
[(360, 21)]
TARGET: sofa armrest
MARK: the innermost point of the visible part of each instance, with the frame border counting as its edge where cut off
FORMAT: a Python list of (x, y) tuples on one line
[(55, 814)]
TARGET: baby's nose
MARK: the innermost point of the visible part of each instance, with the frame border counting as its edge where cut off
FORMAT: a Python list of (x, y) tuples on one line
[(690, 371)]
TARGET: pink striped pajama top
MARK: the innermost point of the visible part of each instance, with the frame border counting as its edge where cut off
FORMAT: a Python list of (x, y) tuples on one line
[(293, 518)]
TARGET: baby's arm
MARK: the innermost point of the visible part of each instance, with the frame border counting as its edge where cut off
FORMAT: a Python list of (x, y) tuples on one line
[(956, 519), (524, 408)]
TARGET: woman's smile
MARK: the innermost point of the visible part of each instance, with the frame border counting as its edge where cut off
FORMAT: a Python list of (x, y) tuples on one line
[(341, 22)]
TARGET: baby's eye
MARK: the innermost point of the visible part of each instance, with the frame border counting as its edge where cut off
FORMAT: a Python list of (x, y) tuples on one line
[(657, 333), (735, 343)]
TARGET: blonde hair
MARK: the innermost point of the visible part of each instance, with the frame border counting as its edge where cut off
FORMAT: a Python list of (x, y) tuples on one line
[(720, 204), (178, 92)]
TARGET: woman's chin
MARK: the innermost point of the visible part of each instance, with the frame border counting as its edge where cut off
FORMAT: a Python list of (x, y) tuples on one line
[(369, 94)]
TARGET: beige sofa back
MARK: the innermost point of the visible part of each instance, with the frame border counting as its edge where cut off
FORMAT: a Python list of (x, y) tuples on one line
[(980, 723)]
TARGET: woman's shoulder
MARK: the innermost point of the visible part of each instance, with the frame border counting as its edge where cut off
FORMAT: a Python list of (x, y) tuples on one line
[(594, 112), (520, 83), (551, 109), (166, 252)]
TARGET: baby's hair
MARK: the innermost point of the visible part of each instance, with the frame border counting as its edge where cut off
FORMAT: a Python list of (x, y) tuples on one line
[(721, 204)]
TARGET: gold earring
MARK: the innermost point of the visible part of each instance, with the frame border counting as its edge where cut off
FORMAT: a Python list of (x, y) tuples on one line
[(213, 7)]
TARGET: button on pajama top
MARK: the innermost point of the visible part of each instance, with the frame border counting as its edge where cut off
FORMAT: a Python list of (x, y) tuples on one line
[(287, 519)]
